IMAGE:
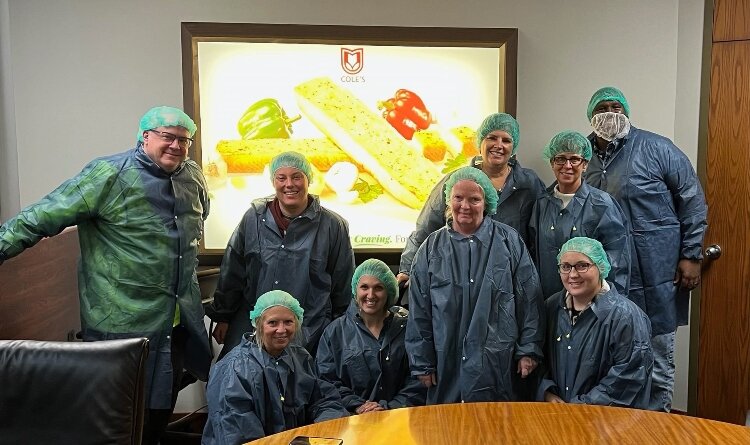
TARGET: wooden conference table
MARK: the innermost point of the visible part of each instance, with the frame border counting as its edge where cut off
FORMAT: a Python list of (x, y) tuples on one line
[(532, 423)]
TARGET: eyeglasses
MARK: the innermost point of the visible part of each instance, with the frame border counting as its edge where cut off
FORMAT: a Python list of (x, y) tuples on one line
[(574, 161), (167, 137), (579, 267)]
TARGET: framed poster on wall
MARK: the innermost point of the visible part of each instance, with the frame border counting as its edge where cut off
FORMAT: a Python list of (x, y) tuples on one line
[(382, 113)]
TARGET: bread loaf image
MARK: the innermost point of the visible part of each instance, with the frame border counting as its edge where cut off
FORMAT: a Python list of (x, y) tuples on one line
[(366, 137)]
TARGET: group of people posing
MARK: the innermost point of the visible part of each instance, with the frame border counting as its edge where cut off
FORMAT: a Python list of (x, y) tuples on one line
[(569, 294)]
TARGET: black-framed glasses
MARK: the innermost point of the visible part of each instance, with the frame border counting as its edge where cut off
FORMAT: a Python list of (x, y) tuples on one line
[(575, 161), (580, 267), (168, 137)]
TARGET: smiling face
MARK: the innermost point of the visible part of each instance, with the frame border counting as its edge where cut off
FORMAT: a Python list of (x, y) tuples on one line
[(163, 145), (291, 190), (496, 149), (467, 206), (371, 295), (278, 326), (568, 175), (581, 285)]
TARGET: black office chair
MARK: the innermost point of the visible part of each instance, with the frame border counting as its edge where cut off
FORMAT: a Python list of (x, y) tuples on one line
[(72, 392)]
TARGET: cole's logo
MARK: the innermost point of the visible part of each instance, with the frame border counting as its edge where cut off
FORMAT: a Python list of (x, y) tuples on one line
[(352, 59)]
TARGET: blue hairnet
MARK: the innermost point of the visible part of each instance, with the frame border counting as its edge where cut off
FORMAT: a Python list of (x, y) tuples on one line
[(478, 176), (165, 117), (568, 141), (499, 121), (276, 298), (382, 272), (592, 249), (294, 160), (607, 93)]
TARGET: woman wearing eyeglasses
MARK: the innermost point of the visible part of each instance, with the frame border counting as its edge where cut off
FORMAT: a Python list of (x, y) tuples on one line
[(572, 208), (598, 348)]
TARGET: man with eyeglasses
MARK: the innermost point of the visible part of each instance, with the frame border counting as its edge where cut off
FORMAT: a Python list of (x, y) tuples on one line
[(140, 218), (571, 208), (663, 201)]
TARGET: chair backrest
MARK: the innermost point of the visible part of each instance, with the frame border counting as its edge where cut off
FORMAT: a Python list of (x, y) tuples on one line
[(72, 392)]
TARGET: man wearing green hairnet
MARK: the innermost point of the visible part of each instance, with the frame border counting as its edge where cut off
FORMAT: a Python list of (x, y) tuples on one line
[(140, 218), (657, 188)]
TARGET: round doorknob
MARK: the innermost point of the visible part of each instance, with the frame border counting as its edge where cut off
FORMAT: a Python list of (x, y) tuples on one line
[(713, 251)]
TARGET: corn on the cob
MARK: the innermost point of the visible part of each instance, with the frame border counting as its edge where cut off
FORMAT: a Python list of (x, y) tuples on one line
[(251, 156)]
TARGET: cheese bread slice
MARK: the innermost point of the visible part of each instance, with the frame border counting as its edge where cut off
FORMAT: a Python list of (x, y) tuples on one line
[(368, 138)]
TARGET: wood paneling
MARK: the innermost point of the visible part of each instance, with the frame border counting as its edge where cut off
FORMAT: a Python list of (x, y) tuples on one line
[(731, 20), (39, 291), (529, 423), (724, 335)]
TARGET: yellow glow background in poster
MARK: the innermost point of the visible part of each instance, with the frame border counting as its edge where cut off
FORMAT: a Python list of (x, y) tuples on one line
[(458, 85)]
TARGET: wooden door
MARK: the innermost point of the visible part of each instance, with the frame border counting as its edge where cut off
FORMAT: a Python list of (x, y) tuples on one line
[(724, 336)]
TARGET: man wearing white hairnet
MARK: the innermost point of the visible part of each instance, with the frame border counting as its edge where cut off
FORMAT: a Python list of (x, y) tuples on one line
[(657, 188)]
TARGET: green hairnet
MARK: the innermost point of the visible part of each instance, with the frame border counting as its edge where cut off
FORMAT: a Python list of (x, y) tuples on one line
[(294, 160), (499, 121), (568, 141), (381, 271), (165, 117), (276, 298), (607, 93), (592, 249), (478, 176)]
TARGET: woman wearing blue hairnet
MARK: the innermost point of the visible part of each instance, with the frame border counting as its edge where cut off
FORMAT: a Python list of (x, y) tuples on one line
[(363, 353), (598, 350), (571, 208), (516, 187), (267, 384), (475, 322)]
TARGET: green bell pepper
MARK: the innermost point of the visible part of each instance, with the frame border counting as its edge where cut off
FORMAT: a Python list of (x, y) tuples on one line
[(265, 119)]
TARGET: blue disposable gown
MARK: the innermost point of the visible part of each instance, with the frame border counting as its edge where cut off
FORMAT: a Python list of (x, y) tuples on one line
[(604, 359), (313, 261), (251, 394), (365, 368), (514, 206), (663, 201), (591, 213), (475, 310)]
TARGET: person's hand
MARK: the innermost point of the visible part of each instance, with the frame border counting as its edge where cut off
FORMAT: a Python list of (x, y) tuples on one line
[(403, 278), (428, 380), (688, 274), (220, 332), (369, 406), (552, 398), (526, 366)]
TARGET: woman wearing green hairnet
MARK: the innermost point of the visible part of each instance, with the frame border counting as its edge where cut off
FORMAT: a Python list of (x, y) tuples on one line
[(363, 352), (572, 208), (516, 187), (598, 350), (267, 384), (475, 322)]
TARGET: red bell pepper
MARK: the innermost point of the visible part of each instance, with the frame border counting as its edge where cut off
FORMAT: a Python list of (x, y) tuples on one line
[(406, 112)]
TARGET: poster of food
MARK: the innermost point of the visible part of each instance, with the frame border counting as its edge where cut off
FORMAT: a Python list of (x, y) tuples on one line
[(381, 125)]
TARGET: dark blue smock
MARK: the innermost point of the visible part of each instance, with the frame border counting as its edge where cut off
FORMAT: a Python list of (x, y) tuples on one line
[(514, 206), (364, 368), (662, 198), (251, 394), (313, 261), (604, 358), (475, 310), (591, 213)]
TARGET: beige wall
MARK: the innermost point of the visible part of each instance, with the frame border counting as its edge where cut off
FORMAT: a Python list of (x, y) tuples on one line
[(76, 75)]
